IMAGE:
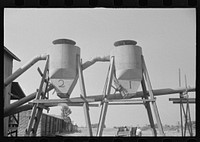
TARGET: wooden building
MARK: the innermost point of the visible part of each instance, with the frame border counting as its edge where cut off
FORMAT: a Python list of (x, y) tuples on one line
[(49, 125), (8, 66), (16, 94)]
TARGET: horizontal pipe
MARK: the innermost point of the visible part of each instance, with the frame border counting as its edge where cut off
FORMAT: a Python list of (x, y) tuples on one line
[(62, 101), (132, 100), (70, 104), (13, 110), (30, 106), (18, 109), (172, 91), (136, 103), (19, 102), (156, 92), (21, 70), (23, 101)]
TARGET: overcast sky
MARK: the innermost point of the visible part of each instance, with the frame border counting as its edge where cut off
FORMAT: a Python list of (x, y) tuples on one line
[(167, 38)]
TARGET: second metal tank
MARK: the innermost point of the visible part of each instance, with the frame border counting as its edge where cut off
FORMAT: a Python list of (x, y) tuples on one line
[(128, 64)]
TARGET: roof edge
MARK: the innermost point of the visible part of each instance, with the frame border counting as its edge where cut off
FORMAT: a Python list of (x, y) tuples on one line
[(11, 54)]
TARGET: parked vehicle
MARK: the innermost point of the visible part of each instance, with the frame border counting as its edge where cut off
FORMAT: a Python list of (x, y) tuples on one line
[(126, 132)]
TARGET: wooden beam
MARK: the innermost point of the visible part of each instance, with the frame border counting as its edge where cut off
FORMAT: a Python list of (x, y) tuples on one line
[(129, 103), (183, 99), (75, 100), (132, 100)]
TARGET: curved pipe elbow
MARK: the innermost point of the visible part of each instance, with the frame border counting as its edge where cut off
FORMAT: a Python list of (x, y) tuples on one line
[(21, 70), (94, 60), (103, 59)]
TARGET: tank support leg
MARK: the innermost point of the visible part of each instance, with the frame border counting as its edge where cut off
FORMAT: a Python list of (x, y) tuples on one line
[(148, 108), (160, 128), (105, 101), (36, 112), (83, 92)]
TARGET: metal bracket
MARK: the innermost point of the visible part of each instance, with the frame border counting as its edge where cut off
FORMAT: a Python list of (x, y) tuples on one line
[(83, 99), (43, 107)]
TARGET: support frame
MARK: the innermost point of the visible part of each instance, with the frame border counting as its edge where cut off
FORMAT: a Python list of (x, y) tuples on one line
[(83, 92), (105, 101)]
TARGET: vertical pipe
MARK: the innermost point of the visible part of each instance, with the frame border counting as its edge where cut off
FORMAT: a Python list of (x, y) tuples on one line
[(160, 128), (105, 103), (83, 92)]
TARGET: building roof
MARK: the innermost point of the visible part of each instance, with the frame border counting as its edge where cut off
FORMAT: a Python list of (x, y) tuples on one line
[(56, 116), (11, 54), (16, 91)]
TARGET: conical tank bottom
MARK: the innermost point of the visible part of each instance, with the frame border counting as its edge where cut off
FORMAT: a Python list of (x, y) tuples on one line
[(62, 85), (130, 86), (129, 74)]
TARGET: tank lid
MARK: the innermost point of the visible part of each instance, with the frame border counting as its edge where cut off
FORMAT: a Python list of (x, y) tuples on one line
[(64, 41), (125, 42)]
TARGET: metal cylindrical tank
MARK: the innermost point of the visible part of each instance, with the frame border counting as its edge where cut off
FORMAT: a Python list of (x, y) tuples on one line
[(128, 63), (63, 64)]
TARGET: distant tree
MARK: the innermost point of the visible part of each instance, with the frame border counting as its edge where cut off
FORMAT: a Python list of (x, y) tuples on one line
[(65, 112)]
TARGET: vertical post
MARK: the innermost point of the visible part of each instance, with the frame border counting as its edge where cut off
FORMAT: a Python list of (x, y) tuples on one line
[(17, 124), (185, 128), (83, 92), (191, 133), (181, 104), (6, 103), (148, 108), (188, 110), (184, 115), (36, 110), (160, 128), (105, 103)]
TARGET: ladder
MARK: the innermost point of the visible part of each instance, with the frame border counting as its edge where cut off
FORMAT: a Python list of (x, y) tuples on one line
[(37, 109)]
